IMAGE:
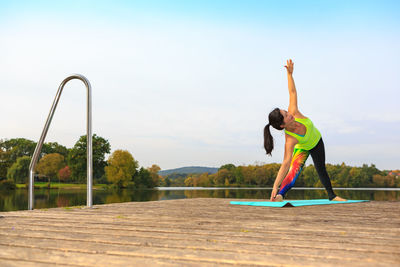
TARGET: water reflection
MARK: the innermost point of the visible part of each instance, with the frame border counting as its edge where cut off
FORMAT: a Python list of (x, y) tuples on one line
[(45, 198)]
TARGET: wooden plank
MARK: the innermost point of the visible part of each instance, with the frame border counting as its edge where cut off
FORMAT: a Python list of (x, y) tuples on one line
[(205, 231), (301, 250), (15, 261), (243, 237)]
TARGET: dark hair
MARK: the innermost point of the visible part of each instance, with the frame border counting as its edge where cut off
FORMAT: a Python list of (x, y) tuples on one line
[(275, 120)]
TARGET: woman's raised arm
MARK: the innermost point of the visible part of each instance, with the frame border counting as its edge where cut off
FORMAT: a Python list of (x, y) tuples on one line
[(293, 109)]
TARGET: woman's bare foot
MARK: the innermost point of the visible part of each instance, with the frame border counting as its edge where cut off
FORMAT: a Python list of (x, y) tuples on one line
[(339, 199), (278, 198)]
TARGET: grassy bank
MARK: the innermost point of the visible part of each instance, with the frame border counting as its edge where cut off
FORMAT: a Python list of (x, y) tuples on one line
[(62, 186)]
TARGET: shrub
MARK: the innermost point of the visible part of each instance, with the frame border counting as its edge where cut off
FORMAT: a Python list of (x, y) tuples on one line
[(7, 185)]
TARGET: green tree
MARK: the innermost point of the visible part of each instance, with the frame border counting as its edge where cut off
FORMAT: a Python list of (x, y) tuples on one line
[(50, 165), (18, 147), (367, 172), (229, 167), (143, 179), (189, 181), (272, 172), (379, 180), (19, 171), (121, 168), (221, 176), (261, 175), (308, 177), (204, 180), (13, 149), (54, 147), (343, 176), (77, 158), (154, 169), (355, 175), (3, 175), (248, 174), (165, 182), (239, 175)]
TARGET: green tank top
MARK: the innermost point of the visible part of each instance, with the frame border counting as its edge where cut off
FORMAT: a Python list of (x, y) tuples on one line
[(310, 139)]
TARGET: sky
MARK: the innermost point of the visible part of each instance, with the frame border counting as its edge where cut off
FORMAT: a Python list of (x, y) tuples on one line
[(191, 83)]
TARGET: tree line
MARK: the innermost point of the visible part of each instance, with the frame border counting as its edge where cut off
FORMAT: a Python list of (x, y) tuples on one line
[(68, 165), (341, 175)]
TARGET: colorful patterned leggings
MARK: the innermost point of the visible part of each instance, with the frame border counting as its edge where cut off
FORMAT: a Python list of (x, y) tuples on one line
[(299, 159)]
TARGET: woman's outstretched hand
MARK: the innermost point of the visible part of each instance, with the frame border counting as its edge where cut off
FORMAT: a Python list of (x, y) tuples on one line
[(273, 193), (289, 66)]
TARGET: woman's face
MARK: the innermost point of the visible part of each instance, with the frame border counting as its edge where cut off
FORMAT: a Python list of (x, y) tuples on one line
[(287, 118)]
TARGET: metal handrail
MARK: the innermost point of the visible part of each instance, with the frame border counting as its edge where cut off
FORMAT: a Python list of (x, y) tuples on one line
[(89, 149)]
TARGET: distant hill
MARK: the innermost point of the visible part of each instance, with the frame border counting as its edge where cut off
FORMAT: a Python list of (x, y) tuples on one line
[(188, 170)]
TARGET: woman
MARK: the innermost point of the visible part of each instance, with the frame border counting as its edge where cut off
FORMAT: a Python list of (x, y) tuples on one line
[(301, 140)]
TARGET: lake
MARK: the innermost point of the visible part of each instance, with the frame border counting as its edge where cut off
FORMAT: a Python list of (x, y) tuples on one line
[(50, 198)]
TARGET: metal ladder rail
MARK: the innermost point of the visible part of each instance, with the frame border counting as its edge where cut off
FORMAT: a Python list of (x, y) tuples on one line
[(89, 148)]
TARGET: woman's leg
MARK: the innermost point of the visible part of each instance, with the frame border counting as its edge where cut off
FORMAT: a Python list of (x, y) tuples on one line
[(298, 159), (318, 156)]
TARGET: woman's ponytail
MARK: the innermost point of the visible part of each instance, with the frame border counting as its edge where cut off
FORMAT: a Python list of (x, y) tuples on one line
[(275, 120), (268, 140)]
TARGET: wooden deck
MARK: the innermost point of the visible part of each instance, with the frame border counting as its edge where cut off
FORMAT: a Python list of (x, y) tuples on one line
[(203, 232)]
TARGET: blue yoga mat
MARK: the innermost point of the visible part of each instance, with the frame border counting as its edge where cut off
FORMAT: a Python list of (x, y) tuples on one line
[(294, 203)]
